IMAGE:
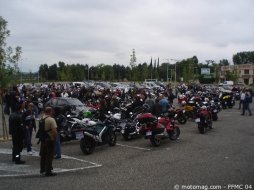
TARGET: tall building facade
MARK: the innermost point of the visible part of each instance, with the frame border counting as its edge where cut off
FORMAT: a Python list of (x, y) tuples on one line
[(245, 71)]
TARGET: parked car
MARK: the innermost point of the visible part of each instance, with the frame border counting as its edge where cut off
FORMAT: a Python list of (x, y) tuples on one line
[(119, 86), (67, 104)]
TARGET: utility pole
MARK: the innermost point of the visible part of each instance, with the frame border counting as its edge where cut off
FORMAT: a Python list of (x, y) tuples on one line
[(176, 60), (167, 61), (87, 72), (38, 76)]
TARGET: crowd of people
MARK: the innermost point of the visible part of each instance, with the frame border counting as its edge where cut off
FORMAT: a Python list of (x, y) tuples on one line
[(22, 105)]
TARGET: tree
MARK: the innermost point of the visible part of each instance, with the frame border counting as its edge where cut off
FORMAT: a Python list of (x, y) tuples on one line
[(224, 62), (8, 66), (52, 72), (243, 57), (9, 58), (43, 71), (232, 75)]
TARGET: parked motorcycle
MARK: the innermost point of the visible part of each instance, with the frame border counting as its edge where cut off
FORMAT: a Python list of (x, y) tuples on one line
[(227, 101), (98, 134), (71, 127), (214, 109), (155, 129), (204, 120), (178, 114)]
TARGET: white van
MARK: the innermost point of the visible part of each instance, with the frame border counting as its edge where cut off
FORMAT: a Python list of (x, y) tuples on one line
[(151, 85)]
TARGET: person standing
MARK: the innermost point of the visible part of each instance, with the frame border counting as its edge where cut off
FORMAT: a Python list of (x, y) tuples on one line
[(164, 103), (17, 130), (246, 103), (242, 97), (60, 121), (30, 125), (171, 97), (47, 146)]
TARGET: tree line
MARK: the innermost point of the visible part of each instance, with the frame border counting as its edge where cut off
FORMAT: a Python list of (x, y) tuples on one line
[(185, 70)]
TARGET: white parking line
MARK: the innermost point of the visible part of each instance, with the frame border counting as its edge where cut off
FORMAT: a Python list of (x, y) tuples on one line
[(35, 172), (135, 147)]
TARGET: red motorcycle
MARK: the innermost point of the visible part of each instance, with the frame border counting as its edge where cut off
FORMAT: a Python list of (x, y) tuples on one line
[(204, 120), (155, 129)]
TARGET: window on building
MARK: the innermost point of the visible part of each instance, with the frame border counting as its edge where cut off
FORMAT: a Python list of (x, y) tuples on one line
[(246, 71)]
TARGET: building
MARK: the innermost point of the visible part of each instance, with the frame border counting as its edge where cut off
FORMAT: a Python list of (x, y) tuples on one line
[(245, 71)]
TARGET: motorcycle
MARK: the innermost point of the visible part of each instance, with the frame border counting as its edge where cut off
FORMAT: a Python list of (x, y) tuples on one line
[(71, 128), (130, 128), (227, 101), (214, 111), (178, 114), (99, 133), (155, 129), (204, 120)]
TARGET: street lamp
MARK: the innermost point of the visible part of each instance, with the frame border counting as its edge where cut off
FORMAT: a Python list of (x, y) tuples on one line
[(21, 62), (176, 60), (87, 72), (38, 76), (167, 67)]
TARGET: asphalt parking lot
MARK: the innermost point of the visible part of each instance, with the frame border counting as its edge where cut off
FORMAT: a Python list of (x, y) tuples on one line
[(222, 157)]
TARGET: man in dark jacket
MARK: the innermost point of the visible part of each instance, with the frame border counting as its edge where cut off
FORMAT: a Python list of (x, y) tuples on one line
[(30, 125), (17, 130)]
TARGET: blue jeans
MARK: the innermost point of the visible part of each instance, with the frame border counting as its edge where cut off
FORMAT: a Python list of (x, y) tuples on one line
[(58, 146), (29, 132), (7, 109), (246, 106), (36, 111)]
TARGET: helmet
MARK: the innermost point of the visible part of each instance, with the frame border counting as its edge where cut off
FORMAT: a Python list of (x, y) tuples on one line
[(146, 107), (205, 103), (203, 107), (183, 103)]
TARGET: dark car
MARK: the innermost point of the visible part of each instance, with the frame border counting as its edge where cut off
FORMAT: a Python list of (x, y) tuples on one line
[(67, 104)]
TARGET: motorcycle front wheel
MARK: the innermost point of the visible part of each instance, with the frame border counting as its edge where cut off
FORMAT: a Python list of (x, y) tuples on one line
[(155, 141), (112, 139), (201, 129), (87, 145), (182, 119), (215, 117), (127, 136), (174, 134)]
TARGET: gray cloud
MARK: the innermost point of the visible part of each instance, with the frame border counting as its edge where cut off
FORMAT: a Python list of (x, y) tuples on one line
[(96, 31)]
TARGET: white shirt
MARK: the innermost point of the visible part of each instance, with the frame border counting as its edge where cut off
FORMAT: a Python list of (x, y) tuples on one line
[(242, 96)]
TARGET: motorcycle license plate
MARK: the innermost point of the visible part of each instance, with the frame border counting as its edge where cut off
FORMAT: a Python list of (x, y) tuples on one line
[(148, 133), (197, 120), (122, 131), (215, 111), (79, 135)]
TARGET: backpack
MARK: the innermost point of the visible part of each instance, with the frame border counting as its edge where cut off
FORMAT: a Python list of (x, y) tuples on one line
[(41, 134)]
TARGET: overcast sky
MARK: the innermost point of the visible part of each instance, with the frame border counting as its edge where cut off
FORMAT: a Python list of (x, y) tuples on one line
[(105, 31)]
